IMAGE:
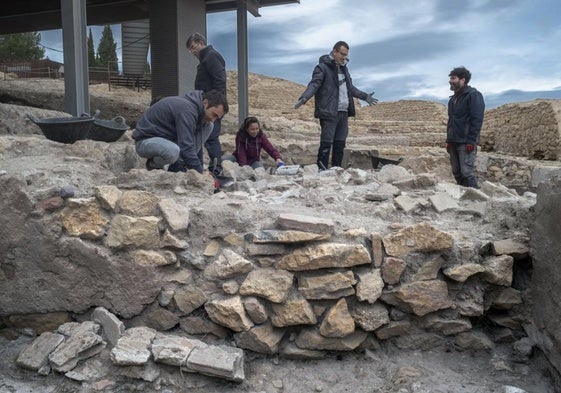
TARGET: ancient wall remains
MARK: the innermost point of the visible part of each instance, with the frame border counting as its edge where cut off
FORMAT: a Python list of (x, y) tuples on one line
[(531, 130), (299, 286)]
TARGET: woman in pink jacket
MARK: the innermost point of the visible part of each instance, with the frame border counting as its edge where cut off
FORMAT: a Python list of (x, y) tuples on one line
[(250, 140)]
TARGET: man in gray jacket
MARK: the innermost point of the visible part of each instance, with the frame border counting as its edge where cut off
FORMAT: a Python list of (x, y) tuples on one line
[(174, 129), (334, 91)]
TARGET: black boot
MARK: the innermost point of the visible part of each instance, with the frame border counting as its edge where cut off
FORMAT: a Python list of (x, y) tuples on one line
[(323, 155), (338, 150), (177, 166), (471, 182)]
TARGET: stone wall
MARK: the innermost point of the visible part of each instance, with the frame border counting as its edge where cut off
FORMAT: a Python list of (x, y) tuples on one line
[(545, 251), (299, 276), (531, 130)]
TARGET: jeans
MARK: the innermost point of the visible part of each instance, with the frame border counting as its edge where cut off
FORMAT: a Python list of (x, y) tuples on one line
[(463, 163), (159, 151), (231, 157)]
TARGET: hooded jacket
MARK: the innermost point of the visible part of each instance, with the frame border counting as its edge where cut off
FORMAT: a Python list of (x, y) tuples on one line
[(211, 71), (248, 148), (179, 119), (465, 116), (325, 87)]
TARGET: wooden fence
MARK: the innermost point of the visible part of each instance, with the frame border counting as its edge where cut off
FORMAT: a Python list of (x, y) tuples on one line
[(54, 70)]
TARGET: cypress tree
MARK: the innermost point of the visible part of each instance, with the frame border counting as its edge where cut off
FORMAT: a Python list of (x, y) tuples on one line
[(91, 51), (107, 50)]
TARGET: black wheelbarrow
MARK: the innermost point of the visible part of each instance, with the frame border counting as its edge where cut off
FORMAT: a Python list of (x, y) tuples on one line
[(65, 129), (108, 130)]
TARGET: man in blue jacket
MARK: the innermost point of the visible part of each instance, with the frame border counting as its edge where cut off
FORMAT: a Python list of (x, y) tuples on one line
[(211, 75), (333, 89), (466, 109), (174, 129)]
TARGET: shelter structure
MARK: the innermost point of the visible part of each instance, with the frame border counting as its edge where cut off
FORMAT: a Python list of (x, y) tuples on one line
[(170, 23)]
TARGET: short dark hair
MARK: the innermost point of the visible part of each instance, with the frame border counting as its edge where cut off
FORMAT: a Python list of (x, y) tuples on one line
[(195, 37), (216, 98), (462, 73), (339, 44)]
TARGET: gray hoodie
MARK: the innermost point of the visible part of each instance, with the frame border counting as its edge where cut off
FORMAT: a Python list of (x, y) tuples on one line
[(179, 119)]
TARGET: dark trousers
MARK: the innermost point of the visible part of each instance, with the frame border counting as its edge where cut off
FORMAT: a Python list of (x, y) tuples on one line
[(334, 134), (463, 163), (212, 144)]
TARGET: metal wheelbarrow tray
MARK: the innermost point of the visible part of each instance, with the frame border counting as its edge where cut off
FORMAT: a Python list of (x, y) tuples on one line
[(108, 130), (65, 129)]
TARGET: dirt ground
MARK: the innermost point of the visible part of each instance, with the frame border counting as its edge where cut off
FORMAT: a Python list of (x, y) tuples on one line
[(385, 370)]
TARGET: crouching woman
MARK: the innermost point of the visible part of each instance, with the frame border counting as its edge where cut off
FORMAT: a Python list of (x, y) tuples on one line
[(250, 140)]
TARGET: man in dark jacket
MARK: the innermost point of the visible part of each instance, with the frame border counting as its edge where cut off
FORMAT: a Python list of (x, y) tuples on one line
[(211, 75), (174, 129), (333, 89), (466, 109)]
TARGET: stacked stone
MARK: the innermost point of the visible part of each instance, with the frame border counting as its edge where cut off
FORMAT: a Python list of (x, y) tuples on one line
[(329, 295), (73, 348), (324, 296), (529, 130)]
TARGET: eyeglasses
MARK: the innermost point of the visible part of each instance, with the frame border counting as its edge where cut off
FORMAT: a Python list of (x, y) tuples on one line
[(342, 53)]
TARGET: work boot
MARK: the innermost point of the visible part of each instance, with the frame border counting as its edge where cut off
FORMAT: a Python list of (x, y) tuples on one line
[(323, 155), (338, 151), (177, 166), (471, 182), (149, 166)]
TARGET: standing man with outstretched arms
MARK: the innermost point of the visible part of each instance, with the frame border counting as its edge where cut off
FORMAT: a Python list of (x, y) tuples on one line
[(334, 91)]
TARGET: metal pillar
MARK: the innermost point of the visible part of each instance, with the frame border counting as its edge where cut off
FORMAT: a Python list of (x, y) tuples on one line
[(171, 23), (76, 93), (243, 100)]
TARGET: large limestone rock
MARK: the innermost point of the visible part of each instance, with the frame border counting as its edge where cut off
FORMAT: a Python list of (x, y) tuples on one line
[(325, 255), (419, 237), (419, 297)]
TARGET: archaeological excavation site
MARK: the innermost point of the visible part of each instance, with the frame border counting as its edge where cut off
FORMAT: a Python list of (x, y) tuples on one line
[(383, 275)]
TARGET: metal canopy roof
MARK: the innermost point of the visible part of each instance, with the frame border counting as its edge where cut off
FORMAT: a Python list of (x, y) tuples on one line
[(35, 15)]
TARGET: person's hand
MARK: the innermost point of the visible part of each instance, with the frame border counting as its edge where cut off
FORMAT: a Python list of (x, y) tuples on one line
[(299, 103), (371, 100), (214, 179), (280, 163), (448, 147), (470, 147)]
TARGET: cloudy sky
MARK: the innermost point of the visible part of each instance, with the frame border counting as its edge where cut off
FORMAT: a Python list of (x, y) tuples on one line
[(404, 49)]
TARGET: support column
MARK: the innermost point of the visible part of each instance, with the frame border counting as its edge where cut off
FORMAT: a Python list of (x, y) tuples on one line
[(243, 99), (76, 79), (171, 23)]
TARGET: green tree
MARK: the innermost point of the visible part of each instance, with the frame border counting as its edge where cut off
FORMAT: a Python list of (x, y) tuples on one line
[(21, 47), (107, 50), (91, 50)]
